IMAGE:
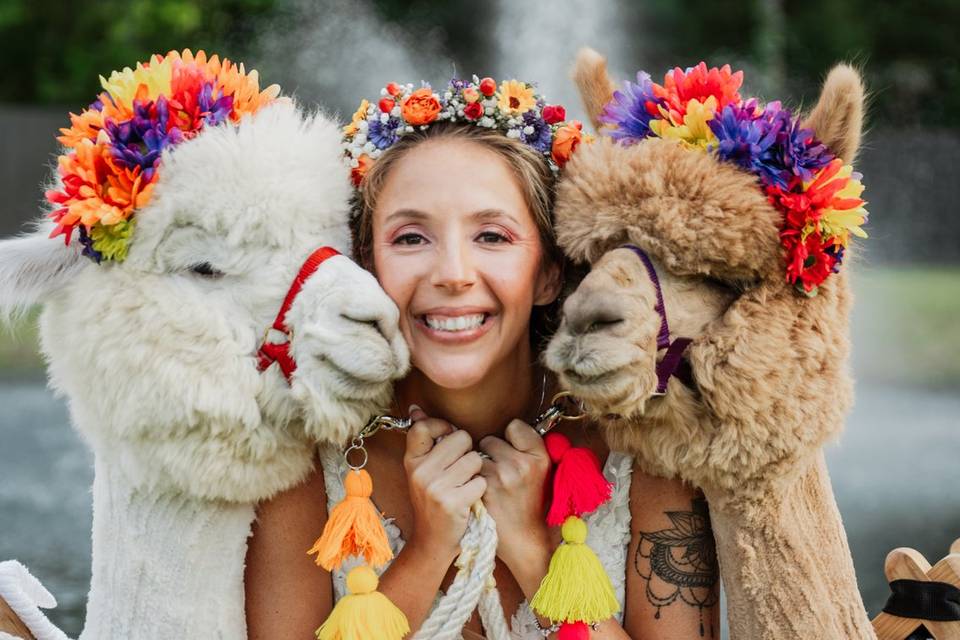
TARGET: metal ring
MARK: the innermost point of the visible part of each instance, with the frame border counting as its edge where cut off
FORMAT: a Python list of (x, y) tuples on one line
[(566, 394), (355, 447)]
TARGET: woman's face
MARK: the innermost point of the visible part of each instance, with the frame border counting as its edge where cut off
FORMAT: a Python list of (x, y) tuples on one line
[(456, 247)]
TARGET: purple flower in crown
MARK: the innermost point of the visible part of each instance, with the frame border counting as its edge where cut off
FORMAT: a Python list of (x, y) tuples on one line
[(383, 134), (87, 243), (141, 140), (631, 110), (797, 153), (217, 109), (742, 136), (536, 132)]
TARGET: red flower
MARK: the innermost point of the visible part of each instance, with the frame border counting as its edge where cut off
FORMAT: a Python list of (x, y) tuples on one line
[(473, 111), (808, 263), (554, 113), (393, 88), (679, 87), (488, 86), (386, 105)]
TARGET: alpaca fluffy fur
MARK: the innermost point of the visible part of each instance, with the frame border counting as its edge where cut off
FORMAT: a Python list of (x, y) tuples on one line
[(770, 365), (158, 363)]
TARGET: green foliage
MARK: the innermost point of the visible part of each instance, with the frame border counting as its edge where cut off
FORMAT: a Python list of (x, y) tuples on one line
[(54, 51)]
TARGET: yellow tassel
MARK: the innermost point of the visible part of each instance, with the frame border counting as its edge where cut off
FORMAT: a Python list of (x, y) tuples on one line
[(365, 613), (354, 527), (576, 586)]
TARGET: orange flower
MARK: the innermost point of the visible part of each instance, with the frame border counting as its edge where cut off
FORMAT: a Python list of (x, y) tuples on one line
[(357, 173), (420, 107), (565, 141)]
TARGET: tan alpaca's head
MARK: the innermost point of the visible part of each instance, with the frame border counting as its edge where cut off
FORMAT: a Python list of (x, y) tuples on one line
[(713, 238)]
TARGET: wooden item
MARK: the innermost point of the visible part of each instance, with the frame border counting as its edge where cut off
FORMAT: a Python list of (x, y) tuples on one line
[(11, 623), (908, 564)]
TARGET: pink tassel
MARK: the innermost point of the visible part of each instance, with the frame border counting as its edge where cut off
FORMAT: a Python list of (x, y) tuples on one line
[(574, 631), (578, 484)]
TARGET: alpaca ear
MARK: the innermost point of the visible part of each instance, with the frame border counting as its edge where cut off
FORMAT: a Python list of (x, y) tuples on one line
[(594, 84), (837, 118), (32, 267)]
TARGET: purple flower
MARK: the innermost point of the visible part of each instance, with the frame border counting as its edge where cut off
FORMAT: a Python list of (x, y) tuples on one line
[(540, 138), (87, 243), (631, 110), (797, 153), (742, 137), (139, 141), (383, 134), (218, 109)]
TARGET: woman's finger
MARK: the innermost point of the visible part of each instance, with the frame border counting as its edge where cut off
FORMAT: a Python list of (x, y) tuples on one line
[(472, 490), (499, 450), (462, 470), (524, 438), (424, 433)]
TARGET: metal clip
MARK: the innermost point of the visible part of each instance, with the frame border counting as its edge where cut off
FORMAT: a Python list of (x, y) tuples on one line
[(555, 413)]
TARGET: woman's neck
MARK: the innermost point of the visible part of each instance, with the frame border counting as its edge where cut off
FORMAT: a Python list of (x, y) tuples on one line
[(512, 390)]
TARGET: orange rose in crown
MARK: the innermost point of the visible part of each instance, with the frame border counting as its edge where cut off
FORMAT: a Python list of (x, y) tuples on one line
[(565, 142), (421, 107)]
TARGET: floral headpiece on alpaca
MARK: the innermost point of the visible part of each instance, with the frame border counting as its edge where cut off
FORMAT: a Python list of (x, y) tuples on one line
[(113, 148), (512, 108), (818, 195)]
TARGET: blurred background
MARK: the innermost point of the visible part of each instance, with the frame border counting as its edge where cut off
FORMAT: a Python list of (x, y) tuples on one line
[(896, 470)]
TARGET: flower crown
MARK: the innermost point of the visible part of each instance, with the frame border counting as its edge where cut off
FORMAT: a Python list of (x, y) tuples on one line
[(113, 148), (818, 195), (513, 108)]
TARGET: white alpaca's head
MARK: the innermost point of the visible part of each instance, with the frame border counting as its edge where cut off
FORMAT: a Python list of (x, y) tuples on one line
[(158, 351)]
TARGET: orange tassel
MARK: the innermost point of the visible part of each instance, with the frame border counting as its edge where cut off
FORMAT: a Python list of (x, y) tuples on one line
[(354, 527)]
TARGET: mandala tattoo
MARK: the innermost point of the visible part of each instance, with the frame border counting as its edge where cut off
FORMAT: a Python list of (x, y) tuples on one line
[(681, 562)]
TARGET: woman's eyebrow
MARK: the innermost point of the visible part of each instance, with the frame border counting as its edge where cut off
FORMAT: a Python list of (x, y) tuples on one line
[(413, 214), (489, 214)]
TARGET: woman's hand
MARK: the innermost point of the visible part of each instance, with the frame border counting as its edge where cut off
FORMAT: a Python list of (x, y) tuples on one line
[(516, 477), (443, 483)]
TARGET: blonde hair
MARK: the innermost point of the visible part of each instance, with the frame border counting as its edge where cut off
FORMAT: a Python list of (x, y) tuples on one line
[(533, 175)]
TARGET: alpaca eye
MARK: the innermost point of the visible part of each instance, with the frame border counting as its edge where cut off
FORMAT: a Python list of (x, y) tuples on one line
[(206, 270)]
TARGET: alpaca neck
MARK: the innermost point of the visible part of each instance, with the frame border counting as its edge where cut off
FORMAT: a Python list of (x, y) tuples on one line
[(786, 566), (165, 565)]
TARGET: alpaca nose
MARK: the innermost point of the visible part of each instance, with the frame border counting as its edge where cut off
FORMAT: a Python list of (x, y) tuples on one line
[(592, 313), (375, 321)]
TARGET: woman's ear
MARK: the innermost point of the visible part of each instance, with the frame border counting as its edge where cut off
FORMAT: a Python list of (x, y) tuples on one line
[(549, 282)]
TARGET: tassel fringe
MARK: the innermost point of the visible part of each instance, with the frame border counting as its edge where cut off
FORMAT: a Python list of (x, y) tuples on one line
[(365, 613)]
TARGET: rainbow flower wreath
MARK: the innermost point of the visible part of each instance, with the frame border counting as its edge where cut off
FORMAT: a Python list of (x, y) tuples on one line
[(113, 148), (817, 193), (576, 592), (512, 108)]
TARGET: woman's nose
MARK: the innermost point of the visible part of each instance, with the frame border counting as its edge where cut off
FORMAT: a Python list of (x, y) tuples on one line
[(455, 269)]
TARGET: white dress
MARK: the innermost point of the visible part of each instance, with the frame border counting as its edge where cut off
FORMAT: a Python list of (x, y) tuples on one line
[(608, 534)]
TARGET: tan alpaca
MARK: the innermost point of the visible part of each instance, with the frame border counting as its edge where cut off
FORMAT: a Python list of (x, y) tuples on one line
[(770, 365)]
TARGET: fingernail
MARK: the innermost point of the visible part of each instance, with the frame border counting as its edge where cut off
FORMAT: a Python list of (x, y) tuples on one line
[(413, 408)]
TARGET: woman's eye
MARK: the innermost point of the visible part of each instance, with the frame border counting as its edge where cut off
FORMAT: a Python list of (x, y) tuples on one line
[(409, 239), (206, 270), (492, 237)]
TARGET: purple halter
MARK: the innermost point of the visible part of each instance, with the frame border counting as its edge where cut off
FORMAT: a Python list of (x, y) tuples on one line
[(670, 364)]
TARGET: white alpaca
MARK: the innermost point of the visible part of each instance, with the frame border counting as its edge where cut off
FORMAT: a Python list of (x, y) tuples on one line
[(156, 356)]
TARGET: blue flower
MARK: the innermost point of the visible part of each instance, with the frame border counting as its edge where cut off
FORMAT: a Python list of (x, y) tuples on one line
[(218, 109), (383, 134), (540, 138), (743, 138), (631, 110)]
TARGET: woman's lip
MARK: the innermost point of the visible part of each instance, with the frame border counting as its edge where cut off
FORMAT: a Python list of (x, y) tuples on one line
[(454, 337)]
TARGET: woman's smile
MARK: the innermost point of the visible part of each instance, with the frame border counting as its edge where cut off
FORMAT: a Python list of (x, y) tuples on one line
[(455, 326)]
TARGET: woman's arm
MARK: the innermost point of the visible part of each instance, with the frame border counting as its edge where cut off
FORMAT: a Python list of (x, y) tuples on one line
[(673, 583), (287, 595)]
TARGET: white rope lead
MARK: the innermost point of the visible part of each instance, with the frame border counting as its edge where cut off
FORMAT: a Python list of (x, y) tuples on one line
[(26, 596)]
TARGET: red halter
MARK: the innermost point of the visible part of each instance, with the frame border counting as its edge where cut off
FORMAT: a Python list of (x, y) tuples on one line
[(279, 352)]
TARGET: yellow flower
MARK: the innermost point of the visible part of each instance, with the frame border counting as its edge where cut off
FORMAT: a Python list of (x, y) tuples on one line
[(846, 211), (358, 116), (155, 76), (516, 97), (693, 131), (112, 240)]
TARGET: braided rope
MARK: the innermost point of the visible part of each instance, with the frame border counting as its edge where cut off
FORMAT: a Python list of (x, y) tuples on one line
[(26, 596), (473, 585)]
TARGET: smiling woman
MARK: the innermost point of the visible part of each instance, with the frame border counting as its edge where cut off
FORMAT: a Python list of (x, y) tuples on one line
[(454, 219)]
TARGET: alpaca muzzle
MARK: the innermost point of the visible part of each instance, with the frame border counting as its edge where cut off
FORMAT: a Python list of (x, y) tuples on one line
[(672, 363), (275, 346)]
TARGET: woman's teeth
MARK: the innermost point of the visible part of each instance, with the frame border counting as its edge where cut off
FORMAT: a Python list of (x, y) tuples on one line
[(458, 323)]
